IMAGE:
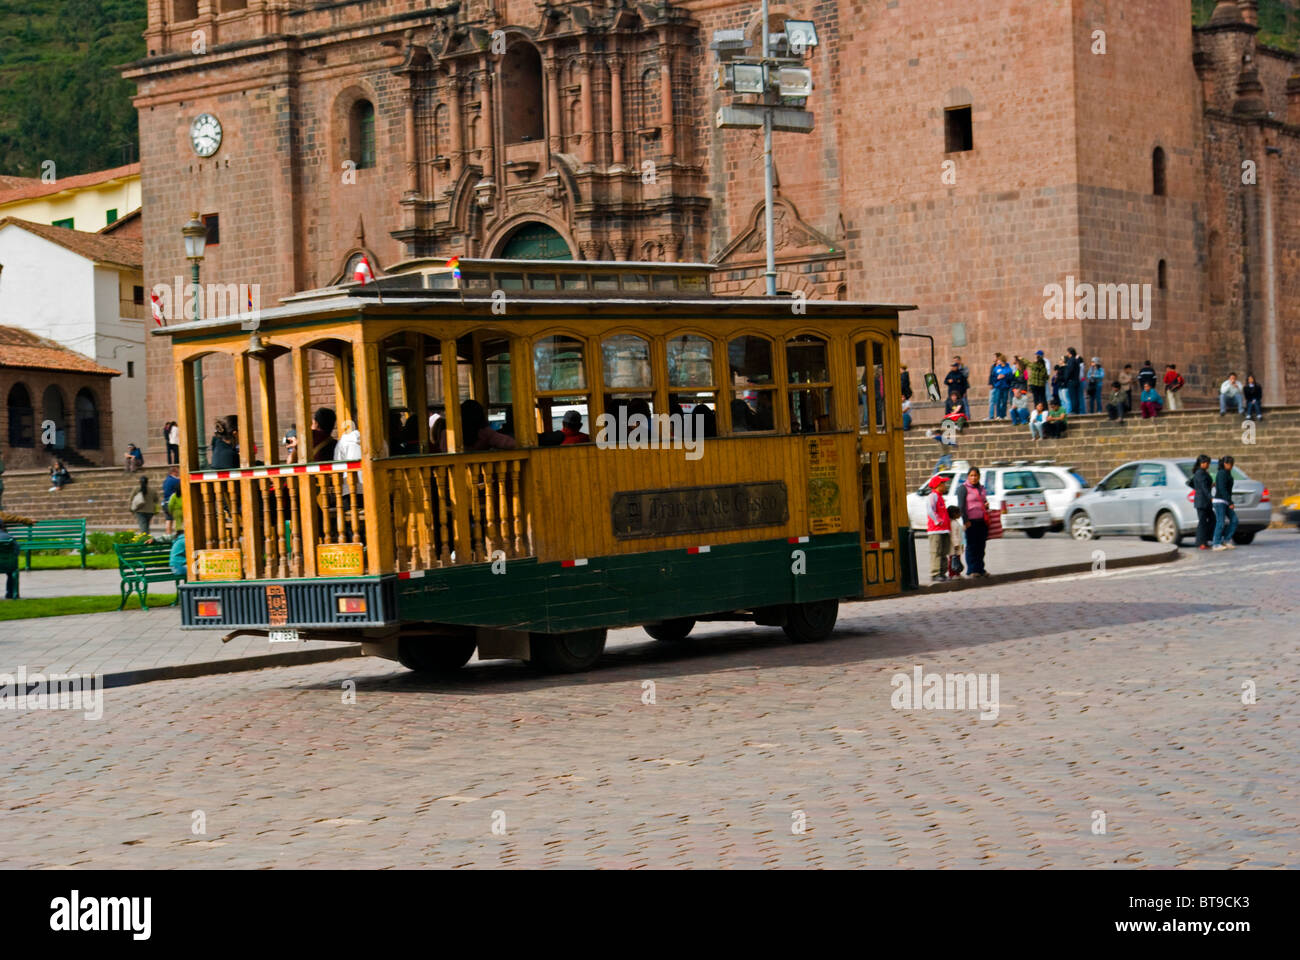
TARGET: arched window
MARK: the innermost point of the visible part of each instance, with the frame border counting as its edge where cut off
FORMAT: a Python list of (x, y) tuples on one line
[(1158, 171), (753, 384), (810, 401), (52, 409), (521, 75), (361, 134), (87, 420), (535, 241), (22, 418)]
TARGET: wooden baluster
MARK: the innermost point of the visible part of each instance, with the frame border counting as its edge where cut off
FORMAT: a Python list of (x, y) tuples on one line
[(399, 520), (447, 531), (488, 473), (336, 483), (420, 509), (516, 492), (414, 529), (236, 517), (501, 479), (291, 485), (280, 517), (426, 516), (320, 497), (223, 511), (475, 514), (354, 479), (268, 527), (209, 516)]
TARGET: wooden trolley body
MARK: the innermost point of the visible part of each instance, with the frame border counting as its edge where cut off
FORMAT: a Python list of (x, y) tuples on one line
[(795, 496)]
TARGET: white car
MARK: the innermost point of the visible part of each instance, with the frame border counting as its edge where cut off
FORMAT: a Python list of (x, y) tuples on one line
[(1014, 491)]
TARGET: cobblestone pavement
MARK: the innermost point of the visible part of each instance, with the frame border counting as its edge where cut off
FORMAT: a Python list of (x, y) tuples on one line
[(1120, 694)]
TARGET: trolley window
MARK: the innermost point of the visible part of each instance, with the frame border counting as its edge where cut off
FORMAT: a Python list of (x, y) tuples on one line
[(809, 393), (753, 386)]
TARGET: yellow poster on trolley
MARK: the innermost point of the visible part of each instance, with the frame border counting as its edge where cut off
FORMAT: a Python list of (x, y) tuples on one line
[(340, 559), (823, 486), (218, 565)]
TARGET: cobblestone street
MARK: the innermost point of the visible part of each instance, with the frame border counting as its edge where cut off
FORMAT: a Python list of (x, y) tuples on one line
[(1120, 696)]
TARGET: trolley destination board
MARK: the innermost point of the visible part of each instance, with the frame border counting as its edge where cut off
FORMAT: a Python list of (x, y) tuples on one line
[(665, 513)]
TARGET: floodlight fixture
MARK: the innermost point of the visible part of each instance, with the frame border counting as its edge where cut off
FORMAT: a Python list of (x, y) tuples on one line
[(749, 78), (794, 81), (801, 35)]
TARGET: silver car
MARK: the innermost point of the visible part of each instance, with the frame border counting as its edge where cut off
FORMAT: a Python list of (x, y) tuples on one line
[(1151, 499)]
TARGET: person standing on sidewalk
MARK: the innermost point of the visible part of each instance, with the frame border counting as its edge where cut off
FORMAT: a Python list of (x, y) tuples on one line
[(1173, 383), (172, 437), (1038, 380), (939, 528), (1073, 382), (1203, 500), (171, 485), (144, 504), (1126, 384), (1096, 380), (1225, 515), (973, 502)]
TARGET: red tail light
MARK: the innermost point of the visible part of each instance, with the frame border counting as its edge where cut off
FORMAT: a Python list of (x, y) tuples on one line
[(1191, 496), (1264, 498)]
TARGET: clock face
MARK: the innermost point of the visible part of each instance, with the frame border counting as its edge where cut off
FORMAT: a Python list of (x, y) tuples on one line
[(205, 134)]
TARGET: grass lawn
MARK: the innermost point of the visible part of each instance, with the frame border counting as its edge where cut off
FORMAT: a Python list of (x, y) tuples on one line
[(68, 561), (62, 606)]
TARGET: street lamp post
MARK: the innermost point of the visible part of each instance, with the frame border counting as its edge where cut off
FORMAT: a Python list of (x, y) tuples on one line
[(782, 85), (196, 235)]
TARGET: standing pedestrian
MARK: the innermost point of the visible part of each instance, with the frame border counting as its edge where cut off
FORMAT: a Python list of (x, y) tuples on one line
[(905, 381), (172, 437), (939, 528), (973, 502), (1073, 381), (1038, 380), (144, 504), (1147, 375), (1203, 500), (1173, 383), (171, 485), (1096, 378), (1225, 514)]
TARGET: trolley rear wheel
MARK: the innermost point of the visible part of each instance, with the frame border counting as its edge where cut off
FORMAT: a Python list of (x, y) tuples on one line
[(671, 631), (567, 652), (434, 656), (810, 622)]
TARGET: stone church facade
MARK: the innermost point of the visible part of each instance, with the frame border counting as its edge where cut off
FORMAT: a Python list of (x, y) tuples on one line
[(965, 156)]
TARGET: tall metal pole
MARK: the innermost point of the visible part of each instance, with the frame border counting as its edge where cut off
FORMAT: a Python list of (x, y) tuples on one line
[(768, 226), (198, 378)]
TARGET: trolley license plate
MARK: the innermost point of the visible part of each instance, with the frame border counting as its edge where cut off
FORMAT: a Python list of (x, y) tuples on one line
[(284, 636)]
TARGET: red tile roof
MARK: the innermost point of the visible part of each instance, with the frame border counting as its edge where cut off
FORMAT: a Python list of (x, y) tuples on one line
[(102, 248), (28, 188), (24, 349)]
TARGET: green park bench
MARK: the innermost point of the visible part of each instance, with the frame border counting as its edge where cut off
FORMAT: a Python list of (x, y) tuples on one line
[(140, 564), (9, 562), (50, 535)]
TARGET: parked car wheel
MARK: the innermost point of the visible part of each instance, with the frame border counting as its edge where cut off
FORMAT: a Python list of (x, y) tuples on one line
[(1244, 537), (1167, 528), (1036, 532), (1081, 527)]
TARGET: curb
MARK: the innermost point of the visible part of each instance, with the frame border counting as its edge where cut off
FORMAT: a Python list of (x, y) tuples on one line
[(187, 671), (1149, 559)]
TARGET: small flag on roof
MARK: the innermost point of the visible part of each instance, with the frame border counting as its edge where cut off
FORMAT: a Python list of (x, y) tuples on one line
[(363, 274), (157, 309), (454, 263)]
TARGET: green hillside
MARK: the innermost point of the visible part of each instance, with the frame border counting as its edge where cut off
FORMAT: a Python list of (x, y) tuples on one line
[(1279, 21), (61, 97)]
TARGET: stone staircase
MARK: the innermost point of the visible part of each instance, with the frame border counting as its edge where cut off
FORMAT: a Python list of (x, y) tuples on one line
[(99, 494), (1268, 451)]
